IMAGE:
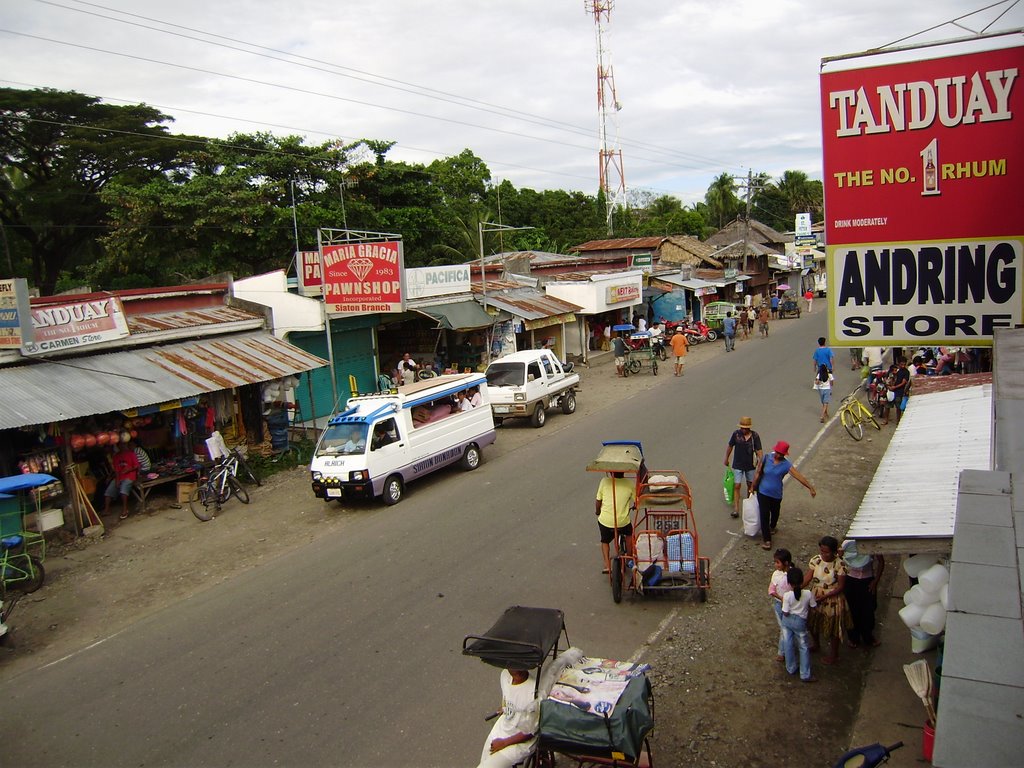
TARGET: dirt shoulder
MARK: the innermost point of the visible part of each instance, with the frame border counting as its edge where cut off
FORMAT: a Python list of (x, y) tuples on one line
[(721, 698)]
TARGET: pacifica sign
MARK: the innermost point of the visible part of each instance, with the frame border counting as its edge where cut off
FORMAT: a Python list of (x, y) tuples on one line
[(924, 162)]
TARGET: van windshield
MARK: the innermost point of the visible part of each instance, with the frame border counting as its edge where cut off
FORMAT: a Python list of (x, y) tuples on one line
[(343, 439), (506, 374)]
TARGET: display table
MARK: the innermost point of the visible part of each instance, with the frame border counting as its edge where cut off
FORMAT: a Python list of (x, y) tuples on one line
[(141, 489)]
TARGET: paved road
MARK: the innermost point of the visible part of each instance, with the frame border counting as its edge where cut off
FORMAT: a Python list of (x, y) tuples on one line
[(347, 652)]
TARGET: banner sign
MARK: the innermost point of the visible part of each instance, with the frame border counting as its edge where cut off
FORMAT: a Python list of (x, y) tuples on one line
[(616, 294), (923, 167), (363, 277), (423, 282), (14, 307), (58, 327), (308, 263)]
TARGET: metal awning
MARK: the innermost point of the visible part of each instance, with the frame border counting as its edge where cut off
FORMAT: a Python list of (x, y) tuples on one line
[(458, 316), (72, 388), (910, 505)]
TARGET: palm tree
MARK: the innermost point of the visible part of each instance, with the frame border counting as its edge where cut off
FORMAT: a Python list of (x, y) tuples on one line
[(721, 199), (799, 192)]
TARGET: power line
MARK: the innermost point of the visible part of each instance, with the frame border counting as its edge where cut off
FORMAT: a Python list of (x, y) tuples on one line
[(380, 80), (404, 86)]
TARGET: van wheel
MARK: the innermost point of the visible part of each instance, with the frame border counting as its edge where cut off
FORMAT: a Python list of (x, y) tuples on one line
[(569, 403), (392, 493), (539, 416), (471, 458)]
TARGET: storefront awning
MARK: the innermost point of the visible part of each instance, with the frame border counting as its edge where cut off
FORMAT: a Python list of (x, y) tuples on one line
[(458, 316), (44, 392), (910, 505)]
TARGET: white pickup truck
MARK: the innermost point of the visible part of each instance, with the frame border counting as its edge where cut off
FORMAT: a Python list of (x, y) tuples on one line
[(526, 384)]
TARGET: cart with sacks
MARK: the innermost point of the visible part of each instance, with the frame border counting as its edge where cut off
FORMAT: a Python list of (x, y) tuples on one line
[(593, 712), (662, 555)]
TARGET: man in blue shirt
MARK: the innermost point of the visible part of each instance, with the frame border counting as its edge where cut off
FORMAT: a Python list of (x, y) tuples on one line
[(823, 356), (729, 331)]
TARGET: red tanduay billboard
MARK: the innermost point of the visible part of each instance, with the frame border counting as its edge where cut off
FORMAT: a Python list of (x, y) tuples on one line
[(923, 176)]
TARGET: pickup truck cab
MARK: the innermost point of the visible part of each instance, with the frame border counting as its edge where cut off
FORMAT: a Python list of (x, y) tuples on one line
[(381, 441), (525, 384)]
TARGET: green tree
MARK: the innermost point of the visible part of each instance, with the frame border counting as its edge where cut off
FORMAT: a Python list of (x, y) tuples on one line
[(227, 210), (722, 203), (59, 151)]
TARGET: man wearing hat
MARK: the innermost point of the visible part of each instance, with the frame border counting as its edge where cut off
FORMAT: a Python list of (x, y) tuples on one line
[(679, 347), (745, 450)]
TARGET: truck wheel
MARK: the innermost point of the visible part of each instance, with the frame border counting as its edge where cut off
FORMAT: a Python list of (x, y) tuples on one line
[(471, 457), (569, 403), (539, 416), (392, 493)]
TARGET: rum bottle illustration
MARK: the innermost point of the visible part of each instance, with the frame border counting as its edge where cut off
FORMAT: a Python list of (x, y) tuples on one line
[(931, 172)]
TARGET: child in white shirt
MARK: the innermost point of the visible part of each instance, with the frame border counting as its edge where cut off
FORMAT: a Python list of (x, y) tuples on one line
[(795, 606), (777, 587)]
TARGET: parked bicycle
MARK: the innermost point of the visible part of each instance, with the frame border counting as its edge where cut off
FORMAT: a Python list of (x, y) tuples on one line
[(853, 414), (220, 485)]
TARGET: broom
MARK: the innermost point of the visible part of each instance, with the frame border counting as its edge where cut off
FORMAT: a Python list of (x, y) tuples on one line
[(919, 675)]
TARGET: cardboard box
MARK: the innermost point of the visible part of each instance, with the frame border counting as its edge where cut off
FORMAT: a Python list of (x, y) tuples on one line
[(184, 491), (50, 519)]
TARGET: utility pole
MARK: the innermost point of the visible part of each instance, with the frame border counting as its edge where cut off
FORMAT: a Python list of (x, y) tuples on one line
[(746, 220)]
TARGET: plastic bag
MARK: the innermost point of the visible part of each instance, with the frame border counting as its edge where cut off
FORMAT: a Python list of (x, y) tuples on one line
[(728, 485), (751, 516), (890, 395)]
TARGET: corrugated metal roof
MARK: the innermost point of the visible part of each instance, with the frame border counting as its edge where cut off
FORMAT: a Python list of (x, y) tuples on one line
[(49, 391), (914, 491), (192, 318), (619, 244), (531, 304)]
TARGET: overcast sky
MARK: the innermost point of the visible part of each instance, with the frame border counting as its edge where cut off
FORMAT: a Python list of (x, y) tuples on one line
[(705, 86)]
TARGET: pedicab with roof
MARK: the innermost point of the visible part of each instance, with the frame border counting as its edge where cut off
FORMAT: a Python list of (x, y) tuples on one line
[(594, 712), (639, 350), (662, 556)]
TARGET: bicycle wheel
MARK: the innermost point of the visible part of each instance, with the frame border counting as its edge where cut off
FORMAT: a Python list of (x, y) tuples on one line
[(633, 365), (851, 423), (245, 469), (236, 488), (616, 580), (203, 503), (35, 575)]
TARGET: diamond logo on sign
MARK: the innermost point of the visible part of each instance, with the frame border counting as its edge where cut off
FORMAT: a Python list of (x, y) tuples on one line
[(360, 267)]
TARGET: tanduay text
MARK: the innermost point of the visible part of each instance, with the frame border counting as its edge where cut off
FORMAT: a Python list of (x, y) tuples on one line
[(954, 290), (961, 100)]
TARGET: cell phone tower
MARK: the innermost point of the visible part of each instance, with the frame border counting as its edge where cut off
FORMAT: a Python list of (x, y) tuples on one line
[(611, 175)]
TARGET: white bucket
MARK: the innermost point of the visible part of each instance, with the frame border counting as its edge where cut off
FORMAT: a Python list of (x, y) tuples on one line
[(911, 615), (933, 620), (934, 577), (915, 564)]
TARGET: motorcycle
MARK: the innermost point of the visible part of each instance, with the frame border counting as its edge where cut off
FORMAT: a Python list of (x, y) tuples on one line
[(698, 333)]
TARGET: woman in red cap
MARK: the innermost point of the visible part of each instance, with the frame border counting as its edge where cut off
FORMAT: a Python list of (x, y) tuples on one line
[(768, 485)]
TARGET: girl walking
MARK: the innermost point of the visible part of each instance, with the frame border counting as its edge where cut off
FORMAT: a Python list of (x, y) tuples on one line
[(795, 607), (823, 384)]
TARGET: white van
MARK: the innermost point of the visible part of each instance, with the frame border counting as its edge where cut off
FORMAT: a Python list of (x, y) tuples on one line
[(382, 441)]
